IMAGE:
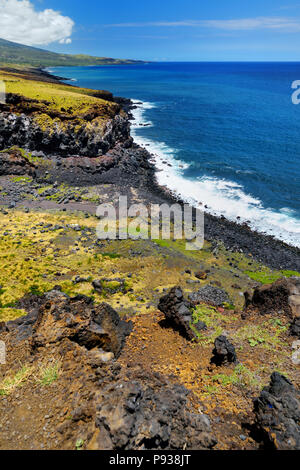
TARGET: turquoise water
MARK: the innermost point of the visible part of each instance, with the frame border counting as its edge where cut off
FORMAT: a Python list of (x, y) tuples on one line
[(229, 130)]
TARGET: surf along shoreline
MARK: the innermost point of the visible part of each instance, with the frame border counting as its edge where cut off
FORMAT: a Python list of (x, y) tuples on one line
[(235, 236)]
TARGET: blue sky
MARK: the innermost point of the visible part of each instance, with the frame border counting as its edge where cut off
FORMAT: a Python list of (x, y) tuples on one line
[(191, 30)]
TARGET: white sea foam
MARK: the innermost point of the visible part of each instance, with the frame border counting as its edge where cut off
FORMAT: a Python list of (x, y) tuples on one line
[(139, 114), (219, 196)]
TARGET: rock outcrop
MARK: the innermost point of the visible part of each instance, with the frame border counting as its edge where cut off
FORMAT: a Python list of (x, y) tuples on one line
[(283, 296), (57, 317), (35, 125), (179, 312), (149, 413), (223, 352), (112, 406), (88, 139), (277, 414)]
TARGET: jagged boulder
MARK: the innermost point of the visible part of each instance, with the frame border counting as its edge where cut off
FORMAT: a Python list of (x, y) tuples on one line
[(223, 352), (149, 413), (13, 162), (277, 414), (281, 296), (58, 316), (178, 312)]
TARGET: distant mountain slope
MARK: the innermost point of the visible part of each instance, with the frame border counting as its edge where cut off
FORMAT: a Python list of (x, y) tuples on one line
[(13, 53)]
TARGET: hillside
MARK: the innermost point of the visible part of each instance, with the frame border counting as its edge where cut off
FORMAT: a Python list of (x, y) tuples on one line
[(13, 53)]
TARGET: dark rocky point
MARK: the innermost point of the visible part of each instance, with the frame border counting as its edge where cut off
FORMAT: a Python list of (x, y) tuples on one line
[(56, 317)]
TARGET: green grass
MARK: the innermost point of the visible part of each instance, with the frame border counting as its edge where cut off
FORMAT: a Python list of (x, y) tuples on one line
[(241, 377), (8, 385), (57, 104), (266, 335), (214, 321), (8, 313), (180, 247), (22, 179), (79, 444), (111, 255), (268, 277), (49, 374)]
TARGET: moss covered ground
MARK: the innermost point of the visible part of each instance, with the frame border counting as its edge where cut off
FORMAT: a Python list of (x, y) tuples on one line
[(39, 250), (55, 103)]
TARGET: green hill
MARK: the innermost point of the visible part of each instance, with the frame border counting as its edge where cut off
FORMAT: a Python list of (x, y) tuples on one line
[(13, 53)]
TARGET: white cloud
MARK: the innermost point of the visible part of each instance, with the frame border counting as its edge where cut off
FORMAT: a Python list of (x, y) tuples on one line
[(242, 24), (284, 24), (20, 22)]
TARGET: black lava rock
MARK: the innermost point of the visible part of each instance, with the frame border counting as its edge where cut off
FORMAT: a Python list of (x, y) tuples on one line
[(223, 352), (178, 312), (150, 413), (277, 415)]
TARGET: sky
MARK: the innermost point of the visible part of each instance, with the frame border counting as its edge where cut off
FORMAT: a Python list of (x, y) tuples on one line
[(160, 30)]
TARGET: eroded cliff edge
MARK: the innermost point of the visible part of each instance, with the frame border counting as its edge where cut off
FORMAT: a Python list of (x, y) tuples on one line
[(60, 120)]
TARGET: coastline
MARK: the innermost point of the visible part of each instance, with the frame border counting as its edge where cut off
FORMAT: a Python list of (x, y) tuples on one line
[(218, 197), (235, 236)]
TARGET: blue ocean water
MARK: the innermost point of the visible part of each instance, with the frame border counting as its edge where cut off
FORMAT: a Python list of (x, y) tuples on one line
[(230, 131)]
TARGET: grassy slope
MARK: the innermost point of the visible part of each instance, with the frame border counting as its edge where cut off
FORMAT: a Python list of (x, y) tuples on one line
[(56, 104), (55, 96), (13, 53)]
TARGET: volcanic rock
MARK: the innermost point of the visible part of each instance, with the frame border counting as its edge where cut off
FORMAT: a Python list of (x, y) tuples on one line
[(149, 413), (277, 414), (12, 162), (202, 275), (77, 319), (178, 312), (61, 133), (295, 327), (283, 295), (223, 352), (209, 294)]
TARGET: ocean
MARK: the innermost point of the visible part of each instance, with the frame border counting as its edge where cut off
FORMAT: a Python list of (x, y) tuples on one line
[(229, 131)]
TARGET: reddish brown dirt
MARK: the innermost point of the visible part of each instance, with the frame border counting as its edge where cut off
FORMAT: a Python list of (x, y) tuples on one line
[(158, 348)]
